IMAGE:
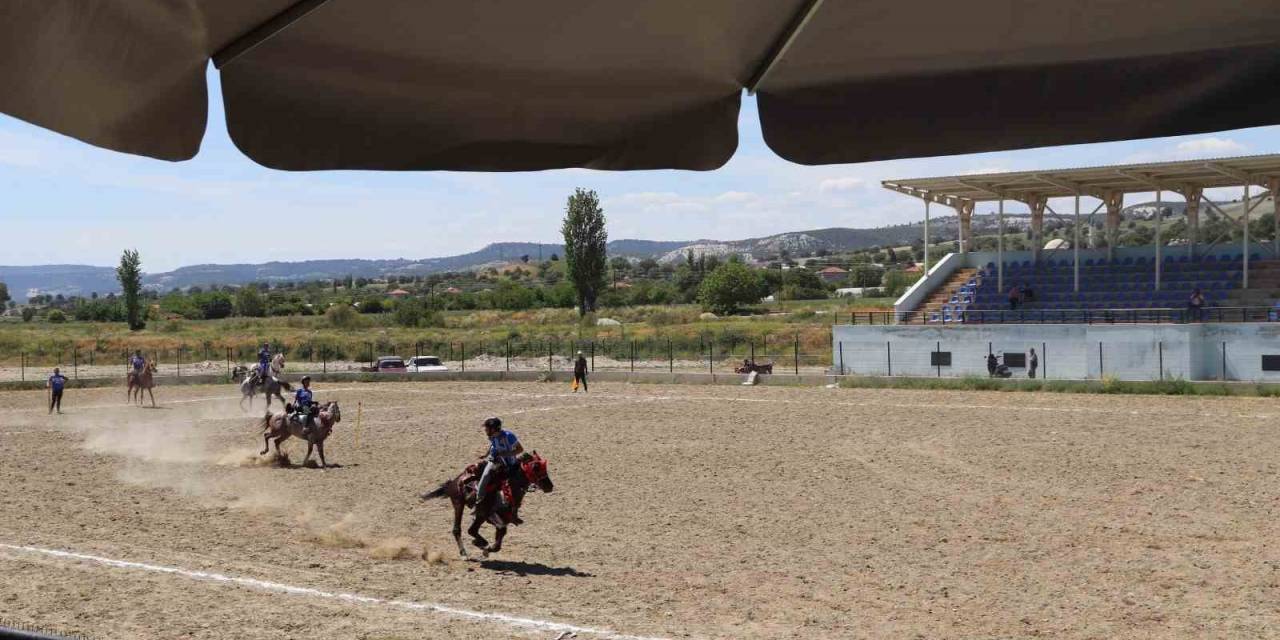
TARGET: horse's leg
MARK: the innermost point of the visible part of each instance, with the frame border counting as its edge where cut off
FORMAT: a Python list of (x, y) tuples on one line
[(266, 441), (310, 445), (153, 397), (501, 532), (320, 450), (457, 524), (474, 531)]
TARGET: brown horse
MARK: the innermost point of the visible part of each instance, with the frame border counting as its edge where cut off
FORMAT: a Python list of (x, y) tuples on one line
[(141, 380), (497, 509), (279, 426)]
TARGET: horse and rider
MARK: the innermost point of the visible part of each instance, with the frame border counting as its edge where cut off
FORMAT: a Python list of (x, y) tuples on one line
[(305, 419), (141, 377), (494, 486), (264, 376)]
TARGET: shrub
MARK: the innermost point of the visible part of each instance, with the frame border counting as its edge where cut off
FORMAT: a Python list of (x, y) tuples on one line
[(56, 317), (730, 287), (342, 316)]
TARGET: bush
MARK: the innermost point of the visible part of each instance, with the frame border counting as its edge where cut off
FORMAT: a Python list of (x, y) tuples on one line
[(249, 302), (56, 317), (342, 316), (373, 305)]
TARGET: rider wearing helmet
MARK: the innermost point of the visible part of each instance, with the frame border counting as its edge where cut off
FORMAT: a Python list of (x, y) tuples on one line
[(304, 404), (501, 458), (137, 361), (264, 362)]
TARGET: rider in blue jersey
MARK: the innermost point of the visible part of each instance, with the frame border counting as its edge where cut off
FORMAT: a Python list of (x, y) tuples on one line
[(304, 404), (264, 363), (501, 458)]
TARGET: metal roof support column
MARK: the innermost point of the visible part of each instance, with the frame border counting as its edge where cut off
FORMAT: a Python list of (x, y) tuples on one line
[(1000, 249), (1192, 195), (1115, 202), (1159, 246), (927, 202), (1037, 205), (964, 210), (1075, 247), (1244, 222), (1273, 184)]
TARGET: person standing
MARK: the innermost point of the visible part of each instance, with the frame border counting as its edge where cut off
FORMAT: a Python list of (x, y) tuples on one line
[(580, 373), (1032, 363), (57, 382)]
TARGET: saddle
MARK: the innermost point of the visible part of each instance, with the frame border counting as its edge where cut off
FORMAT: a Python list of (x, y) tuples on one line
[(504, 498)]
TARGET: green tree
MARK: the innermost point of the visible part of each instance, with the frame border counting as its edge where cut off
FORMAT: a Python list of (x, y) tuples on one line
[(730, 287), (129, 273), (4, 294), (56, 316), (28, 313), (585, 240), (249, 302)]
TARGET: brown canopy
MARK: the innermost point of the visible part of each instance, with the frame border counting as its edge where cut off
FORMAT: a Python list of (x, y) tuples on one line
[(487, 85)]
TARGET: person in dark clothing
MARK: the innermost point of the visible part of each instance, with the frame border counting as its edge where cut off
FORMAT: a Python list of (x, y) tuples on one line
[(580, 373), (991, 364), (1032, 362), (57, 382), (1015, 297), (1028, 294), (1195, 305)]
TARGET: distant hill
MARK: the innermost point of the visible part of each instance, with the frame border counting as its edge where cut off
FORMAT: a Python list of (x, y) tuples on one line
[(81, 279)]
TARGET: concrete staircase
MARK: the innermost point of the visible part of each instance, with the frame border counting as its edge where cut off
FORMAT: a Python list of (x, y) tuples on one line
[(1264, 286), (942, 294)]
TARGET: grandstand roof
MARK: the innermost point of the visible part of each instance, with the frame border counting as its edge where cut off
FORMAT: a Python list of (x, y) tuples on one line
[(1180, 176)]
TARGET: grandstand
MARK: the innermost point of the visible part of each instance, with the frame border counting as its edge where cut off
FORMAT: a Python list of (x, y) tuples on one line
[(964, 300)]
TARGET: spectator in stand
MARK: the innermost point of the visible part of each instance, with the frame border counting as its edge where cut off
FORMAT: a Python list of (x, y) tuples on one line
[(1028, 294), (1015, 297), (57, 382), (1032, 363), (1195, 305)]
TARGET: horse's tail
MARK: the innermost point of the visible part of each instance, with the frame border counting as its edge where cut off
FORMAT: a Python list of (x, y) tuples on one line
[(266, 421), (438, 492)]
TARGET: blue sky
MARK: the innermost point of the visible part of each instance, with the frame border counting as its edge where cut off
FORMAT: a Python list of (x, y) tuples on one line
[(62, 201)]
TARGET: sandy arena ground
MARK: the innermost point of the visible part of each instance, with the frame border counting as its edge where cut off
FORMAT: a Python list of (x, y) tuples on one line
[(679, 512)]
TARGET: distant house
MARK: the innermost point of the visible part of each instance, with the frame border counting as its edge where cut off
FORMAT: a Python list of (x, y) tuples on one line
[(622, 285), (914, 268), (833, 274), (398, 293), (453, 290)]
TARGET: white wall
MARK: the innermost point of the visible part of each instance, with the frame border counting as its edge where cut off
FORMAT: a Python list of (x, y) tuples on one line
[(1067, 351)]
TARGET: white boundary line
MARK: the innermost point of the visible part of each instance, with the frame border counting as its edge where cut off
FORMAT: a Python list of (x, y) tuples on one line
[(263, 585)]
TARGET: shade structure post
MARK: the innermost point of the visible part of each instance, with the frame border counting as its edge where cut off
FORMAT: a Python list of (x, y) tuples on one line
[(926, 235), (1075, 248), (1244, 243), (1193, 196), (1037, 204), (964, 211), (1272, 186), (1115, 202), (1000, 248), (1159, 245)]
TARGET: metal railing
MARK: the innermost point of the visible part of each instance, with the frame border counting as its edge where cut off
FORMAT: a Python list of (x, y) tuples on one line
[(1150, 315)]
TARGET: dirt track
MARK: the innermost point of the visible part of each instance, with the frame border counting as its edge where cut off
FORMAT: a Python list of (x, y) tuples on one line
[(705, 512)]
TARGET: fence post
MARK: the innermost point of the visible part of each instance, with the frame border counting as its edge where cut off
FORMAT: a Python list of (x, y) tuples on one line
[(23, 367), (938, 358), (463, 347), (1044, 360), (1099, 359), (508, 354), (840, 348), (549, 369), (711, 358), (671, 358), (796, 354), (888, 355), (593, 356), (324, 359), (1224, 360), (633, 355), (179, 360), (75, 361), (752, 343)]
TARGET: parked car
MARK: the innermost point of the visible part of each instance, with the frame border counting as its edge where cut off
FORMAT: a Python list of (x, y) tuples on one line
[(421, 364), (387, 364)]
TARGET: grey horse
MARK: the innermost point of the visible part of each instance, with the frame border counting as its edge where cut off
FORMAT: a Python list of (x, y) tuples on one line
[(249, 387)]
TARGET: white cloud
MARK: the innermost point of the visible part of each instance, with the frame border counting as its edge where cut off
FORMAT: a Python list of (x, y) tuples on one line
[(847, 183), (1211, 146), (736, 197)]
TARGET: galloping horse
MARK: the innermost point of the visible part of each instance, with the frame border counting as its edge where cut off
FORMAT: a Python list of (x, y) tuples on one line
[(249, 388), (144, 379), (497, 510), (279, 426)]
